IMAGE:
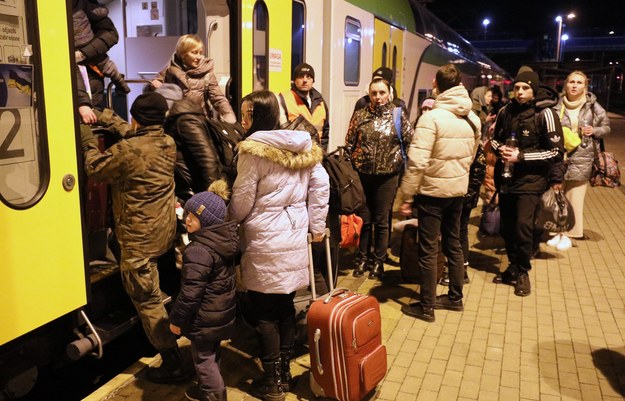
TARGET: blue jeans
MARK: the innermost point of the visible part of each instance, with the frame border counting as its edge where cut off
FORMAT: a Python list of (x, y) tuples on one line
[(439, 217)]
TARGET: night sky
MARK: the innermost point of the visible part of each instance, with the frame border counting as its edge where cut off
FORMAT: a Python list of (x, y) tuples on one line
[(531, 18)]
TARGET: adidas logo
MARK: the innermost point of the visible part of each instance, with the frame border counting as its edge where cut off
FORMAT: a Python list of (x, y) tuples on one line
[(555, 139)]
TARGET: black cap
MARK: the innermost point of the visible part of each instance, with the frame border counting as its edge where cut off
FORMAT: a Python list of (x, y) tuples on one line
[(149, 109), (385, 73), (303, 69), (530, 78)]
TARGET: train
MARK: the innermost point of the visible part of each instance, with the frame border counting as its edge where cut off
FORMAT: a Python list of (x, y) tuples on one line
[(61, 294)]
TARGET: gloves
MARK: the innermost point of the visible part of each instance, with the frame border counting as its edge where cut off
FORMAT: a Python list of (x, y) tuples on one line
[(86, 137)]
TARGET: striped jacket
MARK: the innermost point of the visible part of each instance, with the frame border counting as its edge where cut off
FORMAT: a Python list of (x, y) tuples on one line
[(541, 147)]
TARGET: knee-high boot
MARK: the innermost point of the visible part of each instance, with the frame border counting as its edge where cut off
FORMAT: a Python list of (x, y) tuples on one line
[(269, 387)]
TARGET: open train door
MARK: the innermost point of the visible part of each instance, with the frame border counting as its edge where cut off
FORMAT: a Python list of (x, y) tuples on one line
[(43, 267), (388, 50)]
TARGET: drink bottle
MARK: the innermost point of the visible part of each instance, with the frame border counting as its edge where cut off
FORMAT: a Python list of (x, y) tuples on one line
[(585, 138), (509, 166)]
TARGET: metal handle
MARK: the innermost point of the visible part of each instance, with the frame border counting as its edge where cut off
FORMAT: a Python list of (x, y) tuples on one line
[(311, 272), (317, 352)]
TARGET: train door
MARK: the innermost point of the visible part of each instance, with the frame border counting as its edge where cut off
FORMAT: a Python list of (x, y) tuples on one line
[(266, 40), (43, 267), (388, 50)]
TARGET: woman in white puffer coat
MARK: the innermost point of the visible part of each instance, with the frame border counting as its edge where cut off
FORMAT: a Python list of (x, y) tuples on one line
[(280, 194)]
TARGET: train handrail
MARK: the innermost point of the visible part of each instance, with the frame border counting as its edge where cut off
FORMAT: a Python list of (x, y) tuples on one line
[(109, 87)]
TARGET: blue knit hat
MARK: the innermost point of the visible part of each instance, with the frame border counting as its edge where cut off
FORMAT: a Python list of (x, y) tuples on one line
[(208, 207)]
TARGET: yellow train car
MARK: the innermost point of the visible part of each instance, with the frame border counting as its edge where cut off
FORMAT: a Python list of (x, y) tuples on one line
[(59, 292)]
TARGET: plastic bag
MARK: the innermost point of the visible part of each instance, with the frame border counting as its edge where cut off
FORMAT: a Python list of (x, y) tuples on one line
[(555, 213)]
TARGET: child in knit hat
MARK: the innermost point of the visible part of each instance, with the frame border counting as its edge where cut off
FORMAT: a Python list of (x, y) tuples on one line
[(205, 308)]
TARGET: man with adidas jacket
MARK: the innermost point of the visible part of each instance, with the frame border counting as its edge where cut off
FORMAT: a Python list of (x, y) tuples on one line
[(541, 147)]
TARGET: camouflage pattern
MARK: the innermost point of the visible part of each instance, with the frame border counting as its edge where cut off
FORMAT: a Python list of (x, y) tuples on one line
[(140, 171)]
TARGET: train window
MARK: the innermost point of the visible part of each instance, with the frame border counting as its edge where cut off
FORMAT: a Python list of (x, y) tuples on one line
[(298, 34), (384, 54), (24, 168), (351, 72), (161, 18), (261, 46)]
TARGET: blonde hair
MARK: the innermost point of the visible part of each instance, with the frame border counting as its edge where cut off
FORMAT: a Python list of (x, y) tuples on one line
[(576, 72), (186, 43)]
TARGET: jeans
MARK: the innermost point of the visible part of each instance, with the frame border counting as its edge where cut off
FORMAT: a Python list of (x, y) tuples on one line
[(464, 231), (439, 217), (206, 357), (379, 193)]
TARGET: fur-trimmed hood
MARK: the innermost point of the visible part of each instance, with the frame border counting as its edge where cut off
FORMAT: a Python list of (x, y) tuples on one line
[(293, 150)]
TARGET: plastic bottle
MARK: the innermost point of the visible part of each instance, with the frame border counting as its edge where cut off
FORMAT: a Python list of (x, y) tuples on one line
[(585, 138), (508, 166)]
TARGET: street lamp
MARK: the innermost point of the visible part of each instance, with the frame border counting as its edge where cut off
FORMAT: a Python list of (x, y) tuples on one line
[(565, 37), (485, 22), (559, 21)]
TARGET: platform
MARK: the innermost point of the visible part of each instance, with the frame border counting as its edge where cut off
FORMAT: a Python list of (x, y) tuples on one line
[(566, 341)]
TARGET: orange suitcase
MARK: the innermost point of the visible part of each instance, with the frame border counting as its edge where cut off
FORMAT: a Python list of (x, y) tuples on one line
[(347, 358)]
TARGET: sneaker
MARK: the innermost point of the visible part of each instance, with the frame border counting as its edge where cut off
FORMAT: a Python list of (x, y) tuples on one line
[(564, 244), (444, 278), (554, 241), (523, 286), (194, 393), (444, 302), (419, 311), (507, 277)]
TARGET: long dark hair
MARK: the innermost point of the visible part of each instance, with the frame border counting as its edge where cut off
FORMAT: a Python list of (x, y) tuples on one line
[(266, 111)]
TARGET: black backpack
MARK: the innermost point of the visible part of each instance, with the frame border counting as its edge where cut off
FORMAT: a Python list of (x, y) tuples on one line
[(225, 137), (346, 193)]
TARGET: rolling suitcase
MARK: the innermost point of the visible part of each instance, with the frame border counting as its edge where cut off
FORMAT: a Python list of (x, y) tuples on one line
[(347, 357), (409, 256)]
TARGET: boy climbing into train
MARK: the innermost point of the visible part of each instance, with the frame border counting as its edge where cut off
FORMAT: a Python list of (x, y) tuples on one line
[(140, 171), (205, 309)]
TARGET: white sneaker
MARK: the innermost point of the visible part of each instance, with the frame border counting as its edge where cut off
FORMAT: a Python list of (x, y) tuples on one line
[(564, 244), (555, 240)]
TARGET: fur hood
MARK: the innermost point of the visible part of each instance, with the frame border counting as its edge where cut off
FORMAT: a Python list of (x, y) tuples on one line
[(293, 150)]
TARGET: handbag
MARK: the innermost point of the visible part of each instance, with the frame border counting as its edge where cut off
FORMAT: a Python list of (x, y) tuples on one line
[(351, 225), (491, 217), (555, 213), (605, 170)]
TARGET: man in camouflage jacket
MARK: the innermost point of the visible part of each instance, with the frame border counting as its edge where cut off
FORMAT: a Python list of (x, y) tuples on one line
[(140, 170)]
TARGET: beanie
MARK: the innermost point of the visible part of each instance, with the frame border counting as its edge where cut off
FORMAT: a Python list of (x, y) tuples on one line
[(149, 109), (530, 78), (304, 69), (171, 93), (385, 73), (208, 207)]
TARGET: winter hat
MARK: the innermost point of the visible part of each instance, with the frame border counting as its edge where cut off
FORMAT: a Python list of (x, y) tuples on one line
[(149, 109), (530, 78), (429, 102), (208, 207), (304, 69), (385, 73), (171, 93)]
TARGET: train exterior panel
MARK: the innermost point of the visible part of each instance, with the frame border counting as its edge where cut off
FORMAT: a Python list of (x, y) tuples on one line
[(43, 267)]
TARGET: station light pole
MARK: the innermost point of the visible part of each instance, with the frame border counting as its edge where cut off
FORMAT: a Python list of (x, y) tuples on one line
[(559, 20), (485, 22)]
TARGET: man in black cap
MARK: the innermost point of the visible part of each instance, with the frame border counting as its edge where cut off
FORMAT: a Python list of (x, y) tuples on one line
[(305, 100), (140, 171), (530, 119), (387, 74)]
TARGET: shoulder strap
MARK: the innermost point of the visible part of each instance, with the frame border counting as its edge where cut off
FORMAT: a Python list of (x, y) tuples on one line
[(397, 121), (470, 123)]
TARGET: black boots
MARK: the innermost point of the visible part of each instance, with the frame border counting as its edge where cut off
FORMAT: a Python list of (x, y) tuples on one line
[(377, 270), (285, 370), (269, 387), (171, 369), (523, 286), (361, 267)]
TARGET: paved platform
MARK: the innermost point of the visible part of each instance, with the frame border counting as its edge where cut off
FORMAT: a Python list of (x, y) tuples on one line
[(566, 341)]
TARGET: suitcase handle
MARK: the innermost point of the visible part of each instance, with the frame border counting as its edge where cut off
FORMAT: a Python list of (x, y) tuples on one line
[(311, 272), (317, 352), (335, 291)]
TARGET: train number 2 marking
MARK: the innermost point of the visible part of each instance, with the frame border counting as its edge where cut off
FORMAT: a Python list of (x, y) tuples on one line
[(5, 153)]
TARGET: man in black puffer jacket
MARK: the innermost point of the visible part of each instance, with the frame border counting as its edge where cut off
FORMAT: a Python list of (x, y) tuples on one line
[(540, 148)]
